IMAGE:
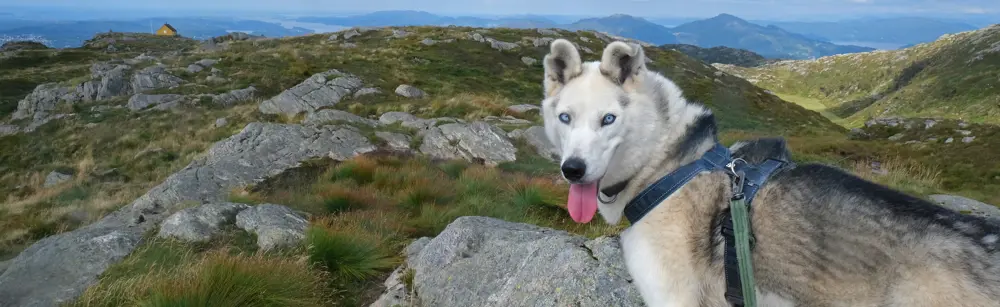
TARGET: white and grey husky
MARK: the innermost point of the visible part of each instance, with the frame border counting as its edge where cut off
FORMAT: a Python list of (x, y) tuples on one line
[(822, 237)]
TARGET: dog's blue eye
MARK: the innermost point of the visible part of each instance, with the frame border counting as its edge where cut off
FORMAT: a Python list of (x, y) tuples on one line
[(608, 119), (564, 117)]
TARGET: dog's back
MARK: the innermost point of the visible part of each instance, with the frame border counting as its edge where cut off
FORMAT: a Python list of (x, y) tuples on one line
[(826, 237)]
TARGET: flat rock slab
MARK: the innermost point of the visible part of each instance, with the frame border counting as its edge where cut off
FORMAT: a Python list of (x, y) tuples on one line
[(535, 136), (475, 141), (58, 268), (142, 101), (966, 205), (276, 226), (481, 261), (320, 90), (200, 223), (329, 116)]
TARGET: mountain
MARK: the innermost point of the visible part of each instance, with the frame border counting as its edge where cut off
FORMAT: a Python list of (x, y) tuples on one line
[(771, 41), (421, 18), (899, 31), (627, 26), (722, 55), (953, 77), (73, 33)]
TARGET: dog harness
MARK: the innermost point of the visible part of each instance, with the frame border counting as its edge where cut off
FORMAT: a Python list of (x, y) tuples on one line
[(746, 181)]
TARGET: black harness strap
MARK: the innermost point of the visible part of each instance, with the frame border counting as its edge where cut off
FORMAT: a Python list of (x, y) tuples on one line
[(718, 158)]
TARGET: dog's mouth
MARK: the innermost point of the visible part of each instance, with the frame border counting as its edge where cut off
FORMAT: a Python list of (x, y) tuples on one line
[(582, 202)]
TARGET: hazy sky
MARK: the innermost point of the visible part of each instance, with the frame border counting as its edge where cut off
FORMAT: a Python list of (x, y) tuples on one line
[(775, 9)]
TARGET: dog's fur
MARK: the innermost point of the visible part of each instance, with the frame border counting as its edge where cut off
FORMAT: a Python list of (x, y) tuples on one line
[(823, 236)]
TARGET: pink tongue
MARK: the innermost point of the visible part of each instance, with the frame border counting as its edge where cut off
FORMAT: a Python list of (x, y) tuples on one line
[(582, 202)]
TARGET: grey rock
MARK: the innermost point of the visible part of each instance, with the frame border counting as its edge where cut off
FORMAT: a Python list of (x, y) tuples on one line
[(481, 261), (4, 265), (221, 122), (428, 42), (58, 268), (351, 33), (54, 178), (966, 205), (963, 124), (367, 91), (389, 118), (6, 130), (43, 99), (207, 63), (333, 116), (234, 96), (968, 139), (154, 77), (897, 136), (324, 89), (584, 39), (396, 141), (142, 101), (276, 226), (348, 45), (963, 132), (216, 79), (929, 123), (949, 140), (477, 37), (477, 141), (395, 291), (542, 42), (400, 33), (216, 71), (548, 32), (535, 136), (523, 108), (409, 91), (195, 68), (333, 37), (510, 120), (201, 223), (501, 45), (529, 61), (857, 133)]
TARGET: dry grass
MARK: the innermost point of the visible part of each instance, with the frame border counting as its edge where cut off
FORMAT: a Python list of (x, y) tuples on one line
[(900, 174)]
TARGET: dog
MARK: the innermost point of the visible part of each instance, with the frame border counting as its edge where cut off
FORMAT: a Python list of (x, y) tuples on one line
[(822, 236)]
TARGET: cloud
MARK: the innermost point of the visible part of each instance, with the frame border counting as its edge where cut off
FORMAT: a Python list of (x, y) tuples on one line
[(974, 10)]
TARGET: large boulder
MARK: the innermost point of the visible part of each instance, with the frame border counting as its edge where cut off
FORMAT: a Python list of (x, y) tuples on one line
[(324, 89), (56, 177), (44, 99), (275, 226), (535, 136), (154, 77), (200, 223), (477, 141), (482, 261), (234, 96), (106, 81), (58, 268)]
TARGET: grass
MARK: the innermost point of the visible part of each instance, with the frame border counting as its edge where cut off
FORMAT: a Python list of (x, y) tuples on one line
[(811, 104)]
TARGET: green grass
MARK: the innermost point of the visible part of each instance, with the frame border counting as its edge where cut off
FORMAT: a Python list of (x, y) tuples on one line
[(811, 104)]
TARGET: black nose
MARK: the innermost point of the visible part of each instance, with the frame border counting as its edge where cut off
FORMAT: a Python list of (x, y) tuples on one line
[(574, 169)]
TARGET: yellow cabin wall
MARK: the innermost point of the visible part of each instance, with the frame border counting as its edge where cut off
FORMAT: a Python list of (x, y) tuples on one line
[(165, 31)]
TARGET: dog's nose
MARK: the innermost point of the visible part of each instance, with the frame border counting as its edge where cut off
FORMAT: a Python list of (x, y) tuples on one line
[(574, 169)]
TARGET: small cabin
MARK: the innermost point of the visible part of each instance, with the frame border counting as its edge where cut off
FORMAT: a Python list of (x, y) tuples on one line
[(167, 30)]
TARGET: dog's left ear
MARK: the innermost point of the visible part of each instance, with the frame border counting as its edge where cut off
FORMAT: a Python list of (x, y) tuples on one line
[(622, 61)]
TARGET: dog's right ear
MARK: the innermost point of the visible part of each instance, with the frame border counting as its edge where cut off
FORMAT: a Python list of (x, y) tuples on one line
[(561, 65)]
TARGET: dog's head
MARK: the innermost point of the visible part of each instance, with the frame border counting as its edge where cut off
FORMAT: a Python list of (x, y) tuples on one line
[(586, 114)]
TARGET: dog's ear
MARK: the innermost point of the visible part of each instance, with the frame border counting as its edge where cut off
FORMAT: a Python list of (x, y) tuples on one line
[(622, 61), (561, 65)]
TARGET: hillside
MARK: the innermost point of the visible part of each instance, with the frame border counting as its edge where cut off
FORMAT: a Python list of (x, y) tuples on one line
[(899, 31), (308, 170), (720, 54), (628, 26), (953, 77), (422, 18), (772, 42)]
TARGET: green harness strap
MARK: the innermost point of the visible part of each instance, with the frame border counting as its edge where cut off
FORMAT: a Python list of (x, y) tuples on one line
[(741, 225)]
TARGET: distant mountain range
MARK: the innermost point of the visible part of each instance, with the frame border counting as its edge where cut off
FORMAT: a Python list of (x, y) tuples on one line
[(899, 31), (722, 55)]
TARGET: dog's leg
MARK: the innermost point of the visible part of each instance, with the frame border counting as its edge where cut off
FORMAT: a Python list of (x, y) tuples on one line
[(663, 272)]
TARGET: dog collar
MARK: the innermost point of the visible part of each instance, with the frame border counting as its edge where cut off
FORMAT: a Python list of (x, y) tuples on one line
[(717, 158)]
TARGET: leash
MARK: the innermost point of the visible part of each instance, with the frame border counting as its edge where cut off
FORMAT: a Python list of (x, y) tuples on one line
[(736, 230)]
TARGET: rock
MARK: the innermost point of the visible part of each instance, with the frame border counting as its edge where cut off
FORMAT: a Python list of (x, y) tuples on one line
[(542, 42), (324, 89), (968, 139), (477, 37), (348, 45), (332, 116), (42, 100), (897, 136), (351, 33), (216, 79), (4, 265), (963, 132), (107, 81), (966, 205), (510, 120), (535, 136), (400, 33), (501, 45), (194, 68), (396, 141), (333, 37), (55, 177), (856, 133), (142, 101), (9, 130), (949, 140), (548, 32), (154, 77), (367, 91), (216, 71), (523, 108), (276, 226), (477, 141), (409, 91), (221, 122), (234, 96), (59, 267), (963, 124), (201, 223), (584, 39), (480, 261), (528, 61), (389, 118), (929, 123), (207, 63), (395, 291), (428, 42)]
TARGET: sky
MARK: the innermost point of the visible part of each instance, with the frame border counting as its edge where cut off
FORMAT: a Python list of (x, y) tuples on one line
[(748, 9)]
